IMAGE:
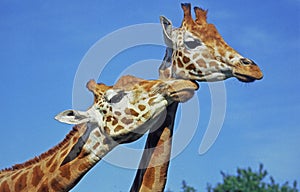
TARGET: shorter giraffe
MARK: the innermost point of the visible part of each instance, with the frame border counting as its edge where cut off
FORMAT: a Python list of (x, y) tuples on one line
[(121, 113)]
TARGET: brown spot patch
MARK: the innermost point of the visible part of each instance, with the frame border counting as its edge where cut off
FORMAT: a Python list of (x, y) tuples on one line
[(96, 146), (43, 188), (126, 121), (4, 187), (129, 111), (97, 134), (186, 59), (181, 74), (56, 186), (195, 56), (142, 107), (66, 173), (180, 53), (179, 63), (152, 94), (115, 121), (62, 155), (21, 182), (118, 113), (118, 128), (201, 63), (222, 51), (213, 64), (37, 175), (146, 115), (109, 118), (149, 177), (107, 130), (53, 167), (206, 55), (83, 166), (75, 139), (151, 100), (191, 67)]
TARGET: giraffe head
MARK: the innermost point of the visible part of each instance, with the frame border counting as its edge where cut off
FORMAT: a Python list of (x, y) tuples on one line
[(197, 51), (128, 109)]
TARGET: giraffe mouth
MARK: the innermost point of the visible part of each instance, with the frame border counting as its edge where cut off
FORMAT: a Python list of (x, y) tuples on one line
[(245, 78)]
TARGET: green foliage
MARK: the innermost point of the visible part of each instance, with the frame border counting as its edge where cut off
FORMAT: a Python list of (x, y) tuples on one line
[(187, 188), (248, 181)]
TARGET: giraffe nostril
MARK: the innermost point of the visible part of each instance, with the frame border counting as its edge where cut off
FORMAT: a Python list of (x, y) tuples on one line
[(246, 61)]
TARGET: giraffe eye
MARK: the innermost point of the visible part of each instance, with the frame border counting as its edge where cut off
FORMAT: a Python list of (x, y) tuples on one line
[(117, 97), (245, 61), (193, 43)]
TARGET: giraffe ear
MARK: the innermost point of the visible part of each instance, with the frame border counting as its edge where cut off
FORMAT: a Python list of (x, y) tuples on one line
[(167, 30), (72, 117)]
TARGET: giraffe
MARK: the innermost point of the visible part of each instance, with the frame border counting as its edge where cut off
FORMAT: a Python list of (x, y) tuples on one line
[(195, 51), (120, 114)]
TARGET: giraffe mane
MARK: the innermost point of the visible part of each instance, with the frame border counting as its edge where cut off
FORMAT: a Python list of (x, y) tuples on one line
[(46, 154)]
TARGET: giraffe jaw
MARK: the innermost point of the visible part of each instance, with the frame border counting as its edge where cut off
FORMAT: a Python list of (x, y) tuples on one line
[(210, 77), (181, 92)]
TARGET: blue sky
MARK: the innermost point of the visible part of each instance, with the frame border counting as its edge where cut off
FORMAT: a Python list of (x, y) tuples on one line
[(43, 43)]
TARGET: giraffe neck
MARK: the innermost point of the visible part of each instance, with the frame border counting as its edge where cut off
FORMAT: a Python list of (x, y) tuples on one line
[(154, 165), (60, 168), (153, 168)]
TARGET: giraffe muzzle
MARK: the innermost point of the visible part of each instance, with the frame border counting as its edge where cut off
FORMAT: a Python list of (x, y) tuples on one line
[(247, 71)]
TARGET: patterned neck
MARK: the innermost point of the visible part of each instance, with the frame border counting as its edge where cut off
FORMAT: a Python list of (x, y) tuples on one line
[(60, 168)]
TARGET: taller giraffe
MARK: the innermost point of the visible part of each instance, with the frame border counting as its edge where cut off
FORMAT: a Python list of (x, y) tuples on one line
[(195, 51), (120, 114)]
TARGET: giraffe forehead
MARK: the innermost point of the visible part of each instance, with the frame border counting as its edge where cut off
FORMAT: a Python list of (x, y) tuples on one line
[(207, 33), (210, 36)]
